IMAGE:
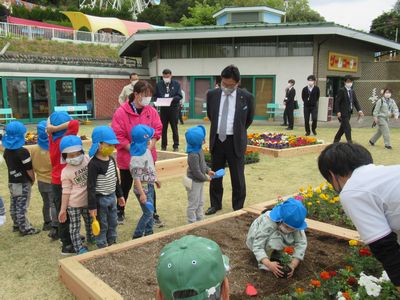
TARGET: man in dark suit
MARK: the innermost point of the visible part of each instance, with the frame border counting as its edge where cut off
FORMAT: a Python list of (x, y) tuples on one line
[(231, 111), (169, 88), (289, 103), (346, 100), (310, 96)]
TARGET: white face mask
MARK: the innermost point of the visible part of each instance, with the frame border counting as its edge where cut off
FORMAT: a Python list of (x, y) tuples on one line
[(284, 230), (289, 85), (76, 161), (167, 80), (349, 85), (145, 101), (388, 95), (311, 83)]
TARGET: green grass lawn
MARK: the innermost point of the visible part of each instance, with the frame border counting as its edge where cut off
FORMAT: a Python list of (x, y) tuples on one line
[(29, 264)]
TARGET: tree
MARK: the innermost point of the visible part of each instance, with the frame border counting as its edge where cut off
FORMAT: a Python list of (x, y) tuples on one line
[(300, 11), (396, 7), (200, 14), (385, 25), (156, 15)]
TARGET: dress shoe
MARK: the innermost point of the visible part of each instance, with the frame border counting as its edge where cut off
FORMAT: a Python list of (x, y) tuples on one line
[(211, 211), (314, 132), (371, 143), (307, 134), (389, 147), (289, 128), (163, 148), (283, 124)]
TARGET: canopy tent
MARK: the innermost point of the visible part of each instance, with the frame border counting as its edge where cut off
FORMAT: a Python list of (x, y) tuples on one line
[(94, 24), (19, 21)]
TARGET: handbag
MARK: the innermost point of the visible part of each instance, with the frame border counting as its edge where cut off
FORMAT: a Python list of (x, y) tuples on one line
[(296, 104)]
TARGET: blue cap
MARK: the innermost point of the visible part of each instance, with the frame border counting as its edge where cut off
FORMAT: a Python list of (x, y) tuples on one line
[(70, 144), (43, 138), (141, 134), (102, 134), (58, 118), (194, 138), (291, 212), (14, 137)]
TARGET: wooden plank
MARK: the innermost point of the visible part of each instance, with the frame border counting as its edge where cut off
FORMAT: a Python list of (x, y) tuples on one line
[(295, 151), (336, 231), (83, 283), (171, 168)]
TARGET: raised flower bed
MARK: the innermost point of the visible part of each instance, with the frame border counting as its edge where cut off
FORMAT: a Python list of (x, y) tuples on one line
[(250, 157), (279, 144), (127, 270)]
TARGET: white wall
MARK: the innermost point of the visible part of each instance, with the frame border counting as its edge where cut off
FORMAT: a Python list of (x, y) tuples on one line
[(284, 68)]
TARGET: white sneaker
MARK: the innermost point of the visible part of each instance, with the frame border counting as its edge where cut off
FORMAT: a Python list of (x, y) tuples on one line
[(2, 220)]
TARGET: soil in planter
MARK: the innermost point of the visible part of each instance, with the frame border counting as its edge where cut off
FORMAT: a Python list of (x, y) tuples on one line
[(164, 155), (132, 272)]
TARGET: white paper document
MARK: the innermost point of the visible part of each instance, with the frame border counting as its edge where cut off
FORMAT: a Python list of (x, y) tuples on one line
[(163, 102)]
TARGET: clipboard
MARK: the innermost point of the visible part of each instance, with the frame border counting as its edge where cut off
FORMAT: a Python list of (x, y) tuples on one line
[(163, 102)]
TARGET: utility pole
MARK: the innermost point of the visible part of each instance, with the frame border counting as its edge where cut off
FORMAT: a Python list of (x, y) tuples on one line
[(286, 3)]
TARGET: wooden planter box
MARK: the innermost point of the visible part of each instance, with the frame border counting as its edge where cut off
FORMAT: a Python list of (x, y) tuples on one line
[(174, 165), (85, 285), (295, 151)]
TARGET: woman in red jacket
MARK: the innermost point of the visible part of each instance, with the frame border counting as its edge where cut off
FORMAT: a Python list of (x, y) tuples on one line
[(134, 112)]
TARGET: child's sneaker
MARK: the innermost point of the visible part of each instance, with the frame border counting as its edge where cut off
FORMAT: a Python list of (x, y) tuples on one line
[(120, 220), (157, 222), (83, 250), (67, 250), (30, 231)]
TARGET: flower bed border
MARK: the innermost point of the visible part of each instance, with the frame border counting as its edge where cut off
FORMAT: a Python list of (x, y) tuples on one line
[(293, 151), (85, 285)]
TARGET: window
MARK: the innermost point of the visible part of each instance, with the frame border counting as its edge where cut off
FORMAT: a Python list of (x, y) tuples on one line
[(175, 49), (17, 91), (212, 48), (255, 47)]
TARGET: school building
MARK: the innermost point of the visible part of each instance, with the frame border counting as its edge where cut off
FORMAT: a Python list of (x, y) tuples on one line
[(267, 52)]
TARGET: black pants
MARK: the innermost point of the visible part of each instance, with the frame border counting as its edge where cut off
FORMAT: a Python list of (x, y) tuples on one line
[(126, 186), (63, 228), (169, 115), (180, 115), (285, 116), (313, 111), (222, 153), (289, 109), (345, 128)]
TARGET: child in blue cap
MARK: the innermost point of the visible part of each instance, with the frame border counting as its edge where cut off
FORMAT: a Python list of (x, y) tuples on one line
[(74, 191), (144, 177), (42, 167), (20, 176), (104, 185), (281, 227), (197, 173)]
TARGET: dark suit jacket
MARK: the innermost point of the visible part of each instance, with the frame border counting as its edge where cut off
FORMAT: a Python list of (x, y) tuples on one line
[(342, 102), (289, 98), (174, 92), (310, 99), (244, 115)]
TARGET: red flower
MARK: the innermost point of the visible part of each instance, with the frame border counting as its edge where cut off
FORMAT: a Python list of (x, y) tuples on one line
[(332, 273), (288, 250), (324, 275), (364, 252), (351, 281), (315, 283)]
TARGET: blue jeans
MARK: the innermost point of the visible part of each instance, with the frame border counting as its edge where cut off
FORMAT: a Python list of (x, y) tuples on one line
[(145, 224), (107, 217)]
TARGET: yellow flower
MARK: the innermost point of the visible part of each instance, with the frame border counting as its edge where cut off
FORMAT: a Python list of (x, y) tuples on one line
[(332, 201), (309, 195), (299, 291), (322, 186), (318, 191), (336, 198), (301, 190), (348, 268), (322, 196), (309, 203), (353, 243), (318, 202)]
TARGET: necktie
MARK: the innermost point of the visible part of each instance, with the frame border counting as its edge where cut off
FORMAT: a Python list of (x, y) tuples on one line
[(350, 99), (224, 120)]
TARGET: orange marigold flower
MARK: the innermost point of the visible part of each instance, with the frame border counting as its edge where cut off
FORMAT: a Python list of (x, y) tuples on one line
[(346, 295), (315, 283), (348, 268), (288, 250), (299, 290), (324, 275)]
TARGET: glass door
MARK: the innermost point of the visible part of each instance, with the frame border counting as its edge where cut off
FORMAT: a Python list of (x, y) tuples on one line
[(264, 93), (17, 97), (40, 98), (199, 88), (65, 92)]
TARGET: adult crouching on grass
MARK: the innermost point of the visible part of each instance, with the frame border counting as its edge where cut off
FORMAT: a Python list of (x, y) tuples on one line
[(134, 112), (369, 195)]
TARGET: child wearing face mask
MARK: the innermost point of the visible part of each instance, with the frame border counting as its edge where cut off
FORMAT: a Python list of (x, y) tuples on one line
[(384, 109), (104, 185), (283, 226), (74, 191)]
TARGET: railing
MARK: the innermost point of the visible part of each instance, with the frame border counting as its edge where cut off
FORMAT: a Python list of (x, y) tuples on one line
[(35, 32)]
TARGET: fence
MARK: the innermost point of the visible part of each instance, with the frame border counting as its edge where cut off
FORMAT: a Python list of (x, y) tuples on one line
[(35, 32)]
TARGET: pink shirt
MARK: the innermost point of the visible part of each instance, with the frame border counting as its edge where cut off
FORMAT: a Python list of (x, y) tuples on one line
[(74, 183)]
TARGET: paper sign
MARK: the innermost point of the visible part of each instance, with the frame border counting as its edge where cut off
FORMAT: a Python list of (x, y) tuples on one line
[(163, 102), (342, 62)]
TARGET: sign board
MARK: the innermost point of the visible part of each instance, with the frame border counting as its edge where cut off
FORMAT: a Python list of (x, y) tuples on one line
[(342, 62)]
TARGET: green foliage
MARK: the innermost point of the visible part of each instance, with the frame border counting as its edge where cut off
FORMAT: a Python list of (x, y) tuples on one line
[(200, 14), (385, 25), (156, 15), (299, 11)]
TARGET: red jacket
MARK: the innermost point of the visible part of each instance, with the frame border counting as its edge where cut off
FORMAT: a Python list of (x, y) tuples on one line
[(124, 120), (55, 153)]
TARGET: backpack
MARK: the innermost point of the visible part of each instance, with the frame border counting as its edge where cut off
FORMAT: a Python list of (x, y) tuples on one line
[(373, 107)]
